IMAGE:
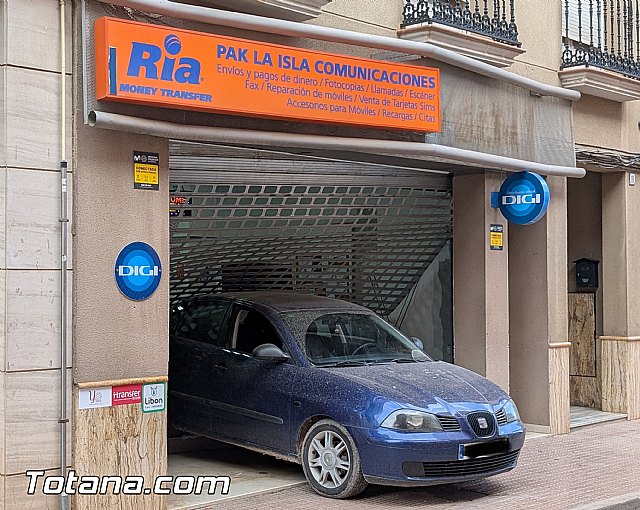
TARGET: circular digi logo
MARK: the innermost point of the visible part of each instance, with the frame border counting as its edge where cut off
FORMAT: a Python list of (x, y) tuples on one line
[(524, 198), (138, 271)]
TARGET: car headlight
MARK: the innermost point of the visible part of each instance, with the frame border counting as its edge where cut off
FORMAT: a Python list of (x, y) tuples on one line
[(412, 421), (511, 411)]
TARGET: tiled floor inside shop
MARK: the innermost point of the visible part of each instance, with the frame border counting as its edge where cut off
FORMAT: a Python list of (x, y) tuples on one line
[(250, 472)]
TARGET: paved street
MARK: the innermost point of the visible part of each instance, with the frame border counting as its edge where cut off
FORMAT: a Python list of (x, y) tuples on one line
[(592, 468)]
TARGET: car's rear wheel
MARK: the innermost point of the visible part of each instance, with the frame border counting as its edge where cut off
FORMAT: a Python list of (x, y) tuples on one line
[(331, 461)]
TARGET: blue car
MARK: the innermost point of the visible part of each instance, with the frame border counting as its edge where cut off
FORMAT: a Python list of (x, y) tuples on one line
[(332, 386)]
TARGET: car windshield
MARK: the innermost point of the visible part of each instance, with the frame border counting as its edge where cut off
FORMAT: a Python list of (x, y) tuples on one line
[(349, 338)]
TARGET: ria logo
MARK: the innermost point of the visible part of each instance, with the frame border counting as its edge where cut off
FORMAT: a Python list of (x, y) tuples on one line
[(163, 65), (138, 271)]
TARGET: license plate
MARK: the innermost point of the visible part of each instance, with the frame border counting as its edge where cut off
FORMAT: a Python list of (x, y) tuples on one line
[(486, 449)]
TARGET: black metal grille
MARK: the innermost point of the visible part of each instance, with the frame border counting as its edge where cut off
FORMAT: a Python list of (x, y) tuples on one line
[(603, 33), (501, 417), (366, 244), (477, 422), (460, 467), (495, 19), (449, 423)]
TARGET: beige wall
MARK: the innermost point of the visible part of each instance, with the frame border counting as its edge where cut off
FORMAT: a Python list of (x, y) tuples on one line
[(543, 47), (481, 288), (631, 126), (117, 339), (30, 154), (621, 245), (126, 338), (538, 312)]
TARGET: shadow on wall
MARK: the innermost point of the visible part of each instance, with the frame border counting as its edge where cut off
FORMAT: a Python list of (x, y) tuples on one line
[(427, 311)]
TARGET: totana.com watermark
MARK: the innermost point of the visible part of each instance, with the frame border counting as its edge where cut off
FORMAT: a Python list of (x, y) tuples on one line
[(130, 485)]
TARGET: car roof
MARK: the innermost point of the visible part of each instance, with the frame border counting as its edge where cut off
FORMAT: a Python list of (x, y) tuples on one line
[(289, 301)]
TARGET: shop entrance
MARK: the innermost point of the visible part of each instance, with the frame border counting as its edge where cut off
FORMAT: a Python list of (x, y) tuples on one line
[(249, 219)]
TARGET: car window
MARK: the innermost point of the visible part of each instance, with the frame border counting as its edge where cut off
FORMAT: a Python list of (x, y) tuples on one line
[(349, 337), (251, 329), (203, 322)]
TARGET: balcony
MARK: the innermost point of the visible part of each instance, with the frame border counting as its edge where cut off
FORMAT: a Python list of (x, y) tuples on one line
[(482, 29), (601, 54)]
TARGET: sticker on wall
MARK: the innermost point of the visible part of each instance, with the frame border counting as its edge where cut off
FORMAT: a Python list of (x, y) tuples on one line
[(523, 198), (138, 271), (154, 397), (146, 169), (129, 394), (94, 398), (496, 238)]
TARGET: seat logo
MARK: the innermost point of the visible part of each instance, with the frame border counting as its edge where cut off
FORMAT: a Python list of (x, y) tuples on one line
[(523, 198), (157, 64), (138, 271), (483, 423)]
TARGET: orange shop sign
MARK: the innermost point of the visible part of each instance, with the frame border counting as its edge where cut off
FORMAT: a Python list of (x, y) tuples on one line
[(172, 68)]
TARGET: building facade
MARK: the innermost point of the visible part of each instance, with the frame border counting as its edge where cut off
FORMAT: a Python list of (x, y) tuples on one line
[(246, 201)]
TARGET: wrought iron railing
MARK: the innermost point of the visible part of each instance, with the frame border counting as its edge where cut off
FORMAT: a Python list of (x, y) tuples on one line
[(494, 18), (603, 33)]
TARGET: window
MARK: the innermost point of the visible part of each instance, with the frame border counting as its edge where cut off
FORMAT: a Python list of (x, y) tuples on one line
[(251, 330), (203, 322), (586, 21)]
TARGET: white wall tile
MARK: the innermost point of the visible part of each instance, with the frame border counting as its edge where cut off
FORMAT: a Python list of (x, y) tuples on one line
[(32, 411), (3, 102), (3, 175), (3, 325), (33, 320), (32, 213), (33, 34), (3, 32), (33, 118), (2, 425), (17, 497)]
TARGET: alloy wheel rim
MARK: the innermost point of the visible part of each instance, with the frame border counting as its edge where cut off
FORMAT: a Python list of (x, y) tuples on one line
[(329, 460)]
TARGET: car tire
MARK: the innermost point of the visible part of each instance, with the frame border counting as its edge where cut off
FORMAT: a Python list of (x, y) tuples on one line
[(331, 462)]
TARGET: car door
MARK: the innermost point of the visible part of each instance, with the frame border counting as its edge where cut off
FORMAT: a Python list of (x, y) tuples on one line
[(261, 390), (196, 362)]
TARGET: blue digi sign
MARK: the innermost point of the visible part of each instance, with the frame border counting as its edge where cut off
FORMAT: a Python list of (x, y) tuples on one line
[(523, 198), (138, 271)]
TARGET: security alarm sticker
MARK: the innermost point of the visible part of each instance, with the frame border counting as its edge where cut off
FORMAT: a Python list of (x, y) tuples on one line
[(154, 397), (146, 168), (93, 398), (523, 198), (129, 394), (496, 238), (138, 271)]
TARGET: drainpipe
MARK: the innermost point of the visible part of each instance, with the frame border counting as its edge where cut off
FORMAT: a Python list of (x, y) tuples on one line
[(321, 33), (64, 223)]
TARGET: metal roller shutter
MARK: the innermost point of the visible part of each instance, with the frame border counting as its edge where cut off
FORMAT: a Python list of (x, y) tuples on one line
[(245, 219)]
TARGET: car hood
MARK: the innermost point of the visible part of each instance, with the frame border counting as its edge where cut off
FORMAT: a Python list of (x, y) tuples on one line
[(424, 383)]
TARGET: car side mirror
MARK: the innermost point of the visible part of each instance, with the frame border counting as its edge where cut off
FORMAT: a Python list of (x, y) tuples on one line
[(270, 352), (418, 343)]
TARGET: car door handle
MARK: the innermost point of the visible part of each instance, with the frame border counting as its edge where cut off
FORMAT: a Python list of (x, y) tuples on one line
[(220, 368)]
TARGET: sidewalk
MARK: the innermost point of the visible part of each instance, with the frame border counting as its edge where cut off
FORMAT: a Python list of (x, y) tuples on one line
[(576, 471)]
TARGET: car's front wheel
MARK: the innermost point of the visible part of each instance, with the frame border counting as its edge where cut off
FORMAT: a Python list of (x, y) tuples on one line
[(331, 461)]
